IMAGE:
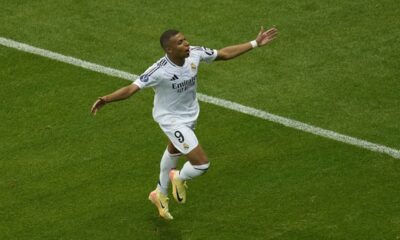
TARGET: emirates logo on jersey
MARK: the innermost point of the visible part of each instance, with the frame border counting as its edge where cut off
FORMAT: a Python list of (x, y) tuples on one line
[(183, 86)]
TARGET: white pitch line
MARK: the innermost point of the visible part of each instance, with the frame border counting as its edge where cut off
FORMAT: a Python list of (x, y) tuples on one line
[(208, 99), (299, 125), (67, 59)]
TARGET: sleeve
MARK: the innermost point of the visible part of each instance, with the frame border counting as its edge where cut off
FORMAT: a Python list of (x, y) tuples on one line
[(148, 78), (206, 54)]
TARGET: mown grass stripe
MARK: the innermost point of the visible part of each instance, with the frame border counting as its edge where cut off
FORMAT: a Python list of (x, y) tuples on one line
[(67, 59), (209, 99), (299, 125)]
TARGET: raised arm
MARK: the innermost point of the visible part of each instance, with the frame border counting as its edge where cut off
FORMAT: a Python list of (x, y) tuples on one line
[(120, 94), (262, 39)]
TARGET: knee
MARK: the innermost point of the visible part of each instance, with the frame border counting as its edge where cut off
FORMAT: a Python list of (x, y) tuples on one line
[(203, 161), (202, 167), (172, 149)]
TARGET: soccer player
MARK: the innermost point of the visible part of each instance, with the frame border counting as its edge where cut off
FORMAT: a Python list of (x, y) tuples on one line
[(175, 109)]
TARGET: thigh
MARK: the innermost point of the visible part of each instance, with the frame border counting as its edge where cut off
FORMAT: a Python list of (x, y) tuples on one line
[(172, 149), (197, 156), (182, 137)]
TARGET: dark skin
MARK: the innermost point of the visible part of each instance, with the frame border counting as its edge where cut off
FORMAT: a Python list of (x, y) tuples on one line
[(177, 50)]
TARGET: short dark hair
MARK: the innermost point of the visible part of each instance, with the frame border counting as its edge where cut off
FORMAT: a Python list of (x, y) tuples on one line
[(166, 36)]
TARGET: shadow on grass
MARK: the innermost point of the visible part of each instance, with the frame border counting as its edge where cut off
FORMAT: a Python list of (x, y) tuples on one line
[(166, 229)]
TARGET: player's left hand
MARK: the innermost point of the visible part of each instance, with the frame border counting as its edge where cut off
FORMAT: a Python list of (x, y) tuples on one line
[(265, 37)]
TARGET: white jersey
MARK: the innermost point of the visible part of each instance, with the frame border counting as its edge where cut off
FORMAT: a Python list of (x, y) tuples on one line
[(175, 86)]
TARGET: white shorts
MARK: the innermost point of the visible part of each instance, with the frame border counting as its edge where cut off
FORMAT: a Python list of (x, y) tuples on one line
[(181, 136)]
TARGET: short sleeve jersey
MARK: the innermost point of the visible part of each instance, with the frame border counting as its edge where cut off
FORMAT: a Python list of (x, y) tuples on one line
[(175, 86)]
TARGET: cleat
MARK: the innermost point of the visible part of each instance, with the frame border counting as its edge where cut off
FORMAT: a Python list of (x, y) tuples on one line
[(161, 202), (178, 186)]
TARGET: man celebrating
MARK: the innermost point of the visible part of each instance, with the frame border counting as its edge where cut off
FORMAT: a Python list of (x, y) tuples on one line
[(176, 109)]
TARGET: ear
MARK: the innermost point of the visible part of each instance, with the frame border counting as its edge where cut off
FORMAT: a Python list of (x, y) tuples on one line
[(168, 50)]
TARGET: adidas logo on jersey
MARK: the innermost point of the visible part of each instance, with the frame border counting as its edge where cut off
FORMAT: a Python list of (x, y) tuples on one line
[(174, 78)]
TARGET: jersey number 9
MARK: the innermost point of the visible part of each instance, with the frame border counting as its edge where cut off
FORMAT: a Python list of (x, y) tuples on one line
[(179, 136)]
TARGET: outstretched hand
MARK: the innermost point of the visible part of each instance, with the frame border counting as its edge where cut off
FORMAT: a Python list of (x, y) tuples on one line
[(265, 37), (97, 105)]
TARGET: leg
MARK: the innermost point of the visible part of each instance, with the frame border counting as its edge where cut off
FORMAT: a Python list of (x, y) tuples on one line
[(159, 197), (196, 165), (184, 140), (197, 156), (167, 163), (172, 149)]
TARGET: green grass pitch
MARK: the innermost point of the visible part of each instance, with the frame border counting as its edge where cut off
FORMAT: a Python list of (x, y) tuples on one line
[(67, 175)]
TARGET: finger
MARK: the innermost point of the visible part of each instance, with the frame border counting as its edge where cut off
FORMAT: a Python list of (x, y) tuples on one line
[(272, 33), (95, 106), (270, 37), (261, 31), (272, 30), (268, 40)]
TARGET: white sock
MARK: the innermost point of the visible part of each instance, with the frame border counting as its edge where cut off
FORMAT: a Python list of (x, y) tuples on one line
[(168, 162), (190, 171)]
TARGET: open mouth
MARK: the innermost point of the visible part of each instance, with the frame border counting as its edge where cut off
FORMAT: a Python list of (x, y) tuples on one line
[(187, 52)]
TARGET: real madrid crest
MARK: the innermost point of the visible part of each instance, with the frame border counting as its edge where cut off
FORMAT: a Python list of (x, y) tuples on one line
[(185, 146), (193, 66)]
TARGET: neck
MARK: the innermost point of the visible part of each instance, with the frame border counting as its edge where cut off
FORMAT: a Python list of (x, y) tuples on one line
[(178, 61)]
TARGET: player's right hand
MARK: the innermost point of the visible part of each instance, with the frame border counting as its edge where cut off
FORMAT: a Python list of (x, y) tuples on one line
[(97, 105)]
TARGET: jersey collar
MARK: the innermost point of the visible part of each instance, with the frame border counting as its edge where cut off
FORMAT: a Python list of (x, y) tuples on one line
[(173, 64)]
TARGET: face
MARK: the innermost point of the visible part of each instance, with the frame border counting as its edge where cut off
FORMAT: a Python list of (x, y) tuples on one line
[(178, 46)]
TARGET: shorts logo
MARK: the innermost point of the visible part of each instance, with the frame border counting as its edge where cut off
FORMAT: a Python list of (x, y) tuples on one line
[(144, 78), (185, 146)]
